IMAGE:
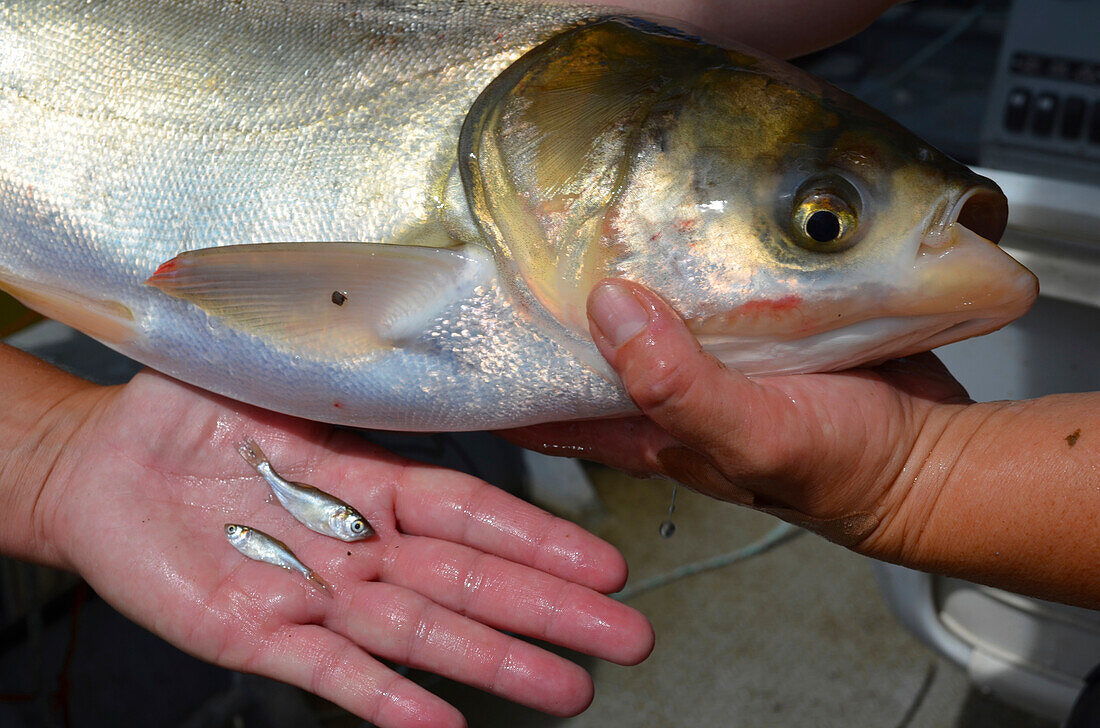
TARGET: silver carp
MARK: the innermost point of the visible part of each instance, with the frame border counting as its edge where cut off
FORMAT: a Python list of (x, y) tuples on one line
[(389, 214)]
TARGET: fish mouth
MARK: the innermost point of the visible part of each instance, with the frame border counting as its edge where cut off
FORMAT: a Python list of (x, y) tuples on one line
[(982, 209), (959, 269), (961, 283)]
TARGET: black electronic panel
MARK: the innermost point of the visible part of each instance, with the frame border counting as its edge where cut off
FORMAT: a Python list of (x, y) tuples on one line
[(1044, 107)]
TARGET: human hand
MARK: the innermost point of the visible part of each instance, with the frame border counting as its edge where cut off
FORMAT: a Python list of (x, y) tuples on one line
[(136, 504), (824, 451)]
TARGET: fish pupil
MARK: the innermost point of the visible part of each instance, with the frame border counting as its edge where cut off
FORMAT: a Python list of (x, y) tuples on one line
[(823, 226)]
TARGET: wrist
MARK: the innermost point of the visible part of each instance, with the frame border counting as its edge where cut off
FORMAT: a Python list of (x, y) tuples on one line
[(908, 500), (43, 413), (852, 486), (1001, 493)]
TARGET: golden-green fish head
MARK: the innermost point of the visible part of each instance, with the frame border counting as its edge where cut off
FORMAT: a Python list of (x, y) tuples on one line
[(794, 227)]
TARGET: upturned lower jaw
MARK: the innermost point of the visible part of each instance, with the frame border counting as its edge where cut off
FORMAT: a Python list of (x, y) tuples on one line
[(962, 283), (963, 288), (867, 342), (964, 271)]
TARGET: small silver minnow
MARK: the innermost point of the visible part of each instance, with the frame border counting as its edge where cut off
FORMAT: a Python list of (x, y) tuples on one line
[(316, 509), (259, 546)]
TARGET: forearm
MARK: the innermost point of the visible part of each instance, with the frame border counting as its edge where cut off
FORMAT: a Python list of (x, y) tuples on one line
[(1007, 494), (41, 408)]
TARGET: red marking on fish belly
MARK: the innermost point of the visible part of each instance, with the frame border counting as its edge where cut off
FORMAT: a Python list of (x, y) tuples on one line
[(776, 305), (337, 405)]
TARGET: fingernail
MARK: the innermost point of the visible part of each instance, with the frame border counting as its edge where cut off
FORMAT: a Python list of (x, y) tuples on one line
[(617, 313)]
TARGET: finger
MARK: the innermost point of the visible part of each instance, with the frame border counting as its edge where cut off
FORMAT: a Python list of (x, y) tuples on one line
[(400, 625), (684, 390), (636, 445), (925, 376), (324, 663), (629, 443), (519, 599), (441, 504)]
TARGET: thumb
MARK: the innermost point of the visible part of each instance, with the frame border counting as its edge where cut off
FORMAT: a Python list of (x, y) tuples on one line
[(686, 391)]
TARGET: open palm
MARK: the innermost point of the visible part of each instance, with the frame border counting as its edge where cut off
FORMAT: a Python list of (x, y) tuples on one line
[(137, 506)]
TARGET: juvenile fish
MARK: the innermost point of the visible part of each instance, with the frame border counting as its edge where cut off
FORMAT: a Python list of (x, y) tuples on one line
[(259, 546), (316, 509)]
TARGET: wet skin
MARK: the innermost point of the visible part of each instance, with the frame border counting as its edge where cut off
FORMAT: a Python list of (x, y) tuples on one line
[(454, 560)]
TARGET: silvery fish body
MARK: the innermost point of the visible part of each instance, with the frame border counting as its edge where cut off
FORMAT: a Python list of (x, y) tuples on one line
[(389, 214), (314, 508), (258, 546)]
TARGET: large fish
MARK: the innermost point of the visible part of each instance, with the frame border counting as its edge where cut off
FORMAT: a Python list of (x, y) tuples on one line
[(390, 213)]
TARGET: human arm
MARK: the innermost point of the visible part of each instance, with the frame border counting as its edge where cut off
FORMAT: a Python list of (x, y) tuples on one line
[(894, 462), (40, 407), (783, 28), (130, 487)]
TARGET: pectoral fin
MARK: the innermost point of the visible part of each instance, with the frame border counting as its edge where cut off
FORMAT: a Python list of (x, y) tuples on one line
[(338, 299)]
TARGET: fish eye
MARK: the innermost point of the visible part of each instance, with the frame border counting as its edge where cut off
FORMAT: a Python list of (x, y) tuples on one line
[(825, 216), (231, 529), (357, 526)]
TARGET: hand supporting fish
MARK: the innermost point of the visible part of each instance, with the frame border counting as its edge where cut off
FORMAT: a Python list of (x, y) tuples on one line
[(895, 462), (151, 463), (404, 237)]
